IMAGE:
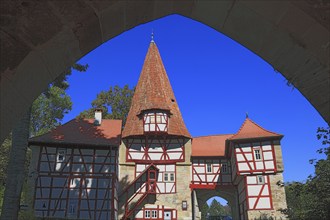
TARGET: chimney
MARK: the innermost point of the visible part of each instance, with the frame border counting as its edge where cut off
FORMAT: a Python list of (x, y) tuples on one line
[(98, 116)]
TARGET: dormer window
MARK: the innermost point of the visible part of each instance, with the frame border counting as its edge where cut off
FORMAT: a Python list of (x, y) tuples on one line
[(155, 122)]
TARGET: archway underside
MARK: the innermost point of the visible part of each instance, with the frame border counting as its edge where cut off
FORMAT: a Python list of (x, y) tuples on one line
[(40, 40)]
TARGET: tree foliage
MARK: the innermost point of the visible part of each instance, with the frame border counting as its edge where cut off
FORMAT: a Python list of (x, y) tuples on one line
[(47, 111), (204, 210), (311, 200), (115, 103)]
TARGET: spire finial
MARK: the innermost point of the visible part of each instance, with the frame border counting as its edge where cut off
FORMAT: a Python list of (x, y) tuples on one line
[(246, 115), (152, 36)]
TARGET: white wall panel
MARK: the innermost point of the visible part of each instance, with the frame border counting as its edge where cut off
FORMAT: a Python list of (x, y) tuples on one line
[(254, 190), (263, 203), (243, 166), (269, 165), (268, 155), (259, 165), (252, 202)]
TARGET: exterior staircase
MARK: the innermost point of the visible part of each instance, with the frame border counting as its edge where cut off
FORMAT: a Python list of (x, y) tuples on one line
[(138, 190)]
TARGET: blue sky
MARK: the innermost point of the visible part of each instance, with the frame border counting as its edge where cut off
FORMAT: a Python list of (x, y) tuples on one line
[(216, 81)]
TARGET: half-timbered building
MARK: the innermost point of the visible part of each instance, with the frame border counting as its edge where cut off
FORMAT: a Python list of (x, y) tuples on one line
[(74, 170), (153, 168)]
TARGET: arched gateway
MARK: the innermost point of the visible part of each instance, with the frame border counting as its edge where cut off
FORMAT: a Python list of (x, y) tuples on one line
[(162, 172)]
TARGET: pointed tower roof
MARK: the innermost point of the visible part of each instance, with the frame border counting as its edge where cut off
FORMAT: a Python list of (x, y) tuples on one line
[(251, 130), (154, 91)]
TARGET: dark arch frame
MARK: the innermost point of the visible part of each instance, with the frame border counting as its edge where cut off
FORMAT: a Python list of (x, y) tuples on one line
[(40, 40)]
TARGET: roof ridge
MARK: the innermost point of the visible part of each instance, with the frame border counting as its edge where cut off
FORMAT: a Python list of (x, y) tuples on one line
[(255, 124), (213, 135), (263, 128)]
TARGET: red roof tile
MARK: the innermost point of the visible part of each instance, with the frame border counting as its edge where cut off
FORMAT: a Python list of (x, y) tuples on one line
[(154, 91), (250, 129), (83, 132), (213, 145)]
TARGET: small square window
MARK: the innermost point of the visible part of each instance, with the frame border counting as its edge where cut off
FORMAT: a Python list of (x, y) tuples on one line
[(172, 177), (224, 168), (158, 119), (154, 214), (72, 208), (165, 177), (209, 168), (260, 179), (257, 154), (152, 118), (61, 155), (147, 213)]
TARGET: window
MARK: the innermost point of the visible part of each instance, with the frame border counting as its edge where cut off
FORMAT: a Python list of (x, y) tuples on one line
[(61, 155), (72, 208), (209, 168), (169, 177), (257, 154), (155, 122), (165, 177), (260, 179), (158, 119), (147, 213), (152, 118), (44, 205), (172, 177), (224, 168), (154, 214)]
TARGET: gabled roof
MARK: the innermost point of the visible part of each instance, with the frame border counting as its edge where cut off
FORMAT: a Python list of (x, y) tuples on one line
[(154, 91), (206, 146), (251, 130), (83, 132)]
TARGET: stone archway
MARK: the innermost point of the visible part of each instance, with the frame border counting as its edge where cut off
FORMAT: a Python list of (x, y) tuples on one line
[(39, 40), (229, 193)]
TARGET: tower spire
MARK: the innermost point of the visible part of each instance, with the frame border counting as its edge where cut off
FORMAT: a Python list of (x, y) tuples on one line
[(154, 93)]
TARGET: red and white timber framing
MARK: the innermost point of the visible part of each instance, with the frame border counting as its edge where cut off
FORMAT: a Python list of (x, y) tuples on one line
[(255, 158), (254, 193), (166, 180), (155, 122), (156, 212), (208, 173), (78, 183), (241, 189), (155, 150), (258, 192)]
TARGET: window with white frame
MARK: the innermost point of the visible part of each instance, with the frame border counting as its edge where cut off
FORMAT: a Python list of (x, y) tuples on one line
[(209, 168), (257, 154), (224, 168), (172, 177), (147, 213), (155, 121), (154, 214), (61, 155), (260, 179), (169, 177)]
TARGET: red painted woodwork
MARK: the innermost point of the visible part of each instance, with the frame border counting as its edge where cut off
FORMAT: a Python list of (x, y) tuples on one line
[(143, 185), (78, 182), (155, 122), (217, 176), (254, 170), (141, 150), (159, 209)]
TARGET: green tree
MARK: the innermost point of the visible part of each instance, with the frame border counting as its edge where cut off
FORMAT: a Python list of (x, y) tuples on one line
[(45, 113), (311, 200), (115, 103), (216, 209), (204, 210)]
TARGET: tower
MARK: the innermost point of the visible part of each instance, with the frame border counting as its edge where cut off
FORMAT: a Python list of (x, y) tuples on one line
[(154, 160)]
